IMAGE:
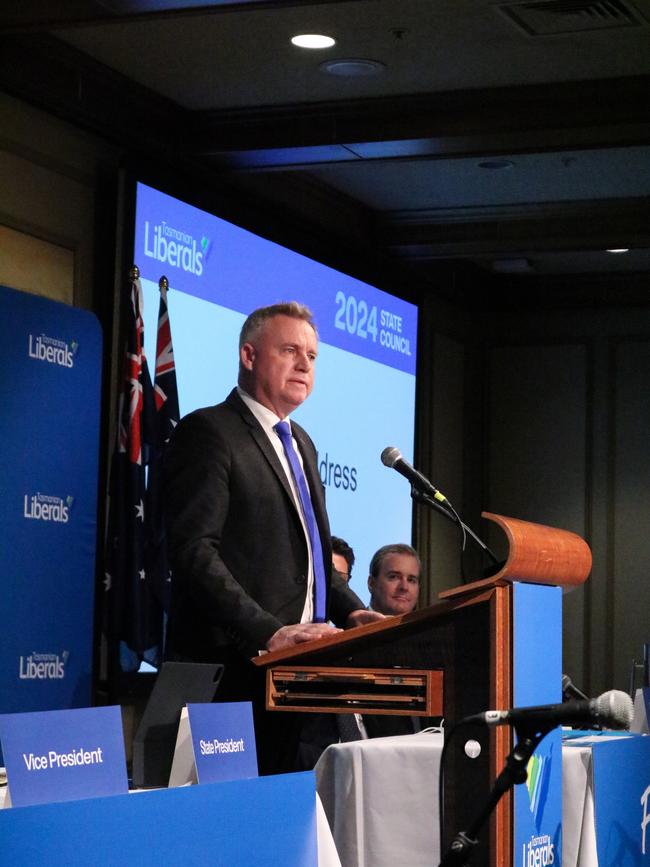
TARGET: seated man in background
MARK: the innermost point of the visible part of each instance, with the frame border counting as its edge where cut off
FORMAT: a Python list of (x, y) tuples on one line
[(394, 584), (394, 580), (342, 557)]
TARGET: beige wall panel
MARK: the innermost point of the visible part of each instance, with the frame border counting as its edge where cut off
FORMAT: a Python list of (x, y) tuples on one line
[(46, 140), (51, 206), (47, 184), (36, 266)]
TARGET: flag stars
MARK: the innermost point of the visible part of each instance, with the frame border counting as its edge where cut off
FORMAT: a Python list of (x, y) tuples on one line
[(147, 415)]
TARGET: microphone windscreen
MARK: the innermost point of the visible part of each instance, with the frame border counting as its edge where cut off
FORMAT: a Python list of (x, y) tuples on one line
[(616, 708), (390, 455)]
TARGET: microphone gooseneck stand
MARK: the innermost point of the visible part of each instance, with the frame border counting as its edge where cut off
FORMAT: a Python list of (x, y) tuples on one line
[(514, 772), (452, 515)]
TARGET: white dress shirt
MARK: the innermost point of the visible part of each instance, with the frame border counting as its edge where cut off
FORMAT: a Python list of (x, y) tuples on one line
[(268, 419)]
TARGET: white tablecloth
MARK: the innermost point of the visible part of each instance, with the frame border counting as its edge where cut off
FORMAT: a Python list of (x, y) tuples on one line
[(381, 800), (578, 828)]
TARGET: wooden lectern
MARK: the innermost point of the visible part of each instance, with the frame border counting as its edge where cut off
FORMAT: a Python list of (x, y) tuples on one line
[(464, 643)]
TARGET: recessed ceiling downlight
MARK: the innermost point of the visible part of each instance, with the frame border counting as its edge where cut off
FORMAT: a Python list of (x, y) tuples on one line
[(352, 67), (313, 40)]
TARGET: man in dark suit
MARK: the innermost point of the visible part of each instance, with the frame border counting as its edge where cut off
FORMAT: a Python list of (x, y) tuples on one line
[(244, 565)]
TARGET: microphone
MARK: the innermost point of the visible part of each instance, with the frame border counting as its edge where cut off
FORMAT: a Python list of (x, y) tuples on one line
[(392, 457), (613, 710)]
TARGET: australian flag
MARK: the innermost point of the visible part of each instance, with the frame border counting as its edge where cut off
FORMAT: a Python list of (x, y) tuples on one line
[(166, 418), (134, 613)]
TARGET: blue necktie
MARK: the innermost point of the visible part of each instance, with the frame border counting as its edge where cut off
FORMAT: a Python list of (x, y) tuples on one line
[(284, 432)]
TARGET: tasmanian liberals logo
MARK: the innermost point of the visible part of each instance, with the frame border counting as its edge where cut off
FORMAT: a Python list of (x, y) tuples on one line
[(538, 852), (52, 350), (172, 246), (538, 771), (43, 666), (645, 819), (44, 507)]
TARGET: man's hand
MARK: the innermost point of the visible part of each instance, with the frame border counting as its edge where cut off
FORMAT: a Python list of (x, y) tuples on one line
[(298, 633), (362, 616)]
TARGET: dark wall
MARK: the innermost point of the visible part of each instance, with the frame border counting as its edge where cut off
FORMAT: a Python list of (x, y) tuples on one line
[(557, 408)]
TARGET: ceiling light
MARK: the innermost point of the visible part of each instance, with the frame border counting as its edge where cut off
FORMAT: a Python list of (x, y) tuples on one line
[(618, 250), (495, 165), (352, 67), (313, 40)]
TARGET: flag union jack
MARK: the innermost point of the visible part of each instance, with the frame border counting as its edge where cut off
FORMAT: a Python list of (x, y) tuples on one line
[(132, 395), (164, 355)]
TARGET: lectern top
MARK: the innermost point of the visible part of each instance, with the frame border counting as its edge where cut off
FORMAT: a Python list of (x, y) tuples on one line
[(537, 554)]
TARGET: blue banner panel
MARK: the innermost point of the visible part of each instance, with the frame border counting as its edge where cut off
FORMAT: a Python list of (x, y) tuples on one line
[(537, 679), (50, 370), (622, 801), (63, 755), (265, 822)]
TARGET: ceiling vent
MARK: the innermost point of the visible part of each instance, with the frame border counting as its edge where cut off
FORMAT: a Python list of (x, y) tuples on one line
[(553, 17)]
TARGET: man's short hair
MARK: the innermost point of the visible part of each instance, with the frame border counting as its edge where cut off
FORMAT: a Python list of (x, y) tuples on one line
[(379, 556), (259, 317), (340, 546)]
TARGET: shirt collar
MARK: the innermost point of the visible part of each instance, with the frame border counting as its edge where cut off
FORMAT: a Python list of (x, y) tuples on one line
[(265, 416)]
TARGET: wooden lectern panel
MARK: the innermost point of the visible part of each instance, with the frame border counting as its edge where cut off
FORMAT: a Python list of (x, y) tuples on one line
[(468, 640)]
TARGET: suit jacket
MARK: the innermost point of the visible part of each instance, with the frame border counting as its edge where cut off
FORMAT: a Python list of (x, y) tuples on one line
[(237, 547)]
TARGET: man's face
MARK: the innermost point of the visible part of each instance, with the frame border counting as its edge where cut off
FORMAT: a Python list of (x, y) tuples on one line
[(280, 361), (341, 565), (395, 589)]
